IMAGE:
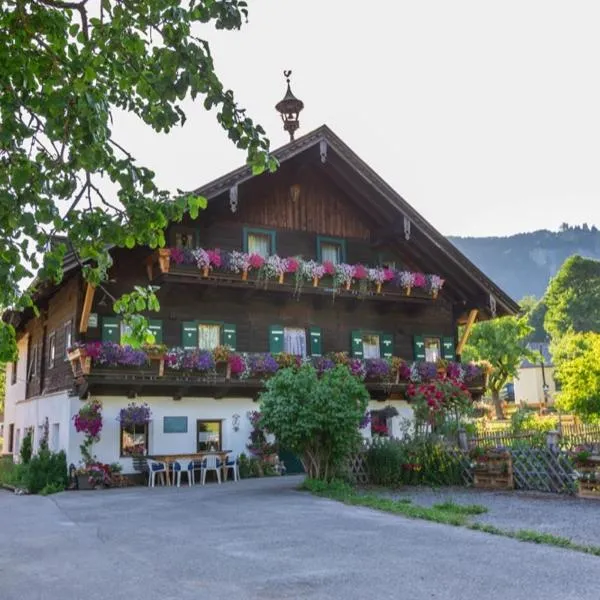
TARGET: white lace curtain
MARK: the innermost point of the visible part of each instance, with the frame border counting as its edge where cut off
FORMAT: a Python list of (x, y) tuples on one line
[(330, 252), (294, 341), (371, 346), (258, 244), (432, 350), (209, 336)]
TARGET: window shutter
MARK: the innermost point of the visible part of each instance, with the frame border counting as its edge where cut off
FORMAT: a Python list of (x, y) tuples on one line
[(316, 342), (356, 343), (386, 345), (448, 351), (155, 326), (111, 329), (189, 335), (275, 339), (229, 336), (419, 347)]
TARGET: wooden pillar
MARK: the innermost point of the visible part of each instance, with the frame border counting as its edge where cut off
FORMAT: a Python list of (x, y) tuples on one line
[(87, 307), (467, 331)]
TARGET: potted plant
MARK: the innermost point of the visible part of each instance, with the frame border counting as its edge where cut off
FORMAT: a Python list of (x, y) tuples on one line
[(221, 355)]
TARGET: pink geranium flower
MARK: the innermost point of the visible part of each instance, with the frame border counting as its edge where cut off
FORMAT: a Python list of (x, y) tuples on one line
[(291, 265), (329, 267), (420, 281), (359, 272), (214, 257), (256, 261)]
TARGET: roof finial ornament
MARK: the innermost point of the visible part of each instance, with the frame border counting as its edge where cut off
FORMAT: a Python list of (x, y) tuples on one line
[(289, 108)]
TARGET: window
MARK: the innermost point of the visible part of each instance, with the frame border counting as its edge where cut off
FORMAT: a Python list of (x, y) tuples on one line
[(184, 239), (17, 447), (433, 349), (13, 372), (55, 440), (33, 362), (209, 336), (134, 440), (51, 349), (370, 343), (11, 437), (294, 341), (68, 338), (259, 241), (379, 424), (331, 249), (209, 435), (124, 331)]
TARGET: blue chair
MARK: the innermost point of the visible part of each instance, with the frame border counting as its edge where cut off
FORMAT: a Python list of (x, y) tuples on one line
[(184, 465), (155, 468)]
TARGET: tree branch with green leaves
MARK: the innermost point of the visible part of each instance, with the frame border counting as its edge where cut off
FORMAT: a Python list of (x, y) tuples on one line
[(65, 68)]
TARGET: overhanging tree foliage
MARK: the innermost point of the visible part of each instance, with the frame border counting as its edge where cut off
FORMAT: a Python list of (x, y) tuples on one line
[(500, 342), (573, 298), (65, 68), (315, 417)]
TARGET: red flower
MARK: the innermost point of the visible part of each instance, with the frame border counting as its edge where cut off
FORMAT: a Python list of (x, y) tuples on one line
[(214, 257), (360, 272), (329, 267), (291, 265), (256, 261)]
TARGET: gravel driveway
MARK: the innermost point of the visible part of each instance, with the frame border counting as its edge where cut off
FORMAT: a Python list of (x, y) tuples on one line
[(263, 539), (567, 516)]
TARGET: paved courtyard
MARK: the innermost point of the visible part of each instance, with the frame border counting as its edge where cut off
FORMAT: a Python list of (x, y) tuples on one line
[(261, 539)]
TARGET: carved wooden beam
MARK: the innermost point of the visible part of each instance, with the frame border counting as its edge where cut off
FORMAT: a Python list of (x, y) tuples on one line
[(87, 307), (467, 331)]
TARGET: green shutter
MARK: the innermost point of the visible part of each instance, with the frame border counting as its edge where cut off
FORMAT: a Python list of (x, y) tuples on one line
[(189, 334), (356, 343), (229, 336), (448, 351), (111, 329), (316, 341), (419, 347), (155, 326), (275, 339), (386, 345)]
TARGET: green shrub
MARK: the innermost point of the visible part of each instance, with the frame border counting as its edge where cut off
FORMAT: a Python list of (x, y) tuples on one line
[(52, 488), (384, 461), (46, 469), (26, 447)]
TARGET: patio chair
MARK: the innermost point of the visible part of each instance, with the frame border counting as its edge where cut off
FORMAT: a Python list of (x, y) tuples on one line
[(232, 464), (155, 468), (184, 465), (210, 463)]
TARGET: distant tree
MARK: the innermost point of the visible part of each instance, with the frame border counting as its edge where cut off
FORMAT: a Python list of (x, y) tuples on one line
[(573, 298), (577, 360), (316, 417), (534, 312), (564, 227), (501, 342)]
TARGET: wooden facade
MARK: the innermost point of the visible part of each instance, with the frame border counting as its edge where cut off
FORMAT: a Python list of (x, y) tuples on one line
[(307, 200)]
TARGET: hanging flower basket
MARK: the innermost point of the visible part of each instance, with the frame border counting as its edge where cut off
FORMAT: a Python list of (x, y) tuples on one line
[(135, 414)]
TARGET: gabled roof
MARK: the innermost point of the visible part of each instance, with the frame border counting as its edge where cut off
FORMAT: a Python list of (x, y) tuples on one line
[(332, 149)]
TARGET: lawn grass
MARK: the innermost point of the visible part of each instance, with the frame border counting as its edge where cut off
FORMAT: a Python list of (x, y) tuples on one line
[(461, 509), (447, 513)]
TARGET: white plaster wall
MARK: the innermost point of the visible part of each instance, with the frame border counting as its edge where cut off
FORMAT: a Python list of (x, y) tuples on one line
[(14, 392), (529, 385), (107, 449), (405, 413)]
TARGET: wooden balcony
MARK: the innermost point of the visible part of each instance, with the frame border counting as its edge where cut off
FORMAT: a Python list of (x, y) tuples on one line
[(156, 379), (161, 269)]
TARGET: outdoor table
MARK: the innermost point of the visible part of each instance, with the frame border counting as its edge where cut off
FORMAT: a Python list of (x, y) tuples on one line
[(169, 459)]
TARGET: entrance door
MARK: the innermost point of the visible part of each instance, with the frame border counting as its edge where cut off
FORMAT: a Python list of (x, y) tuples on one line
[(209, 435)]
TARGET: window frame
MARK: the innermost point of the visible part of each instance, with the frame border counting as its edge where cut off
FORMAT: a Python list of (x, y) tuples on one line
[(341, 242), (368, 332), (33, 359), (271, 233), (220, 422), (439, 338), (307, 352), (203, 322), (68, 336), (193, 233), (51, 349), (122, 428), (13, 372)]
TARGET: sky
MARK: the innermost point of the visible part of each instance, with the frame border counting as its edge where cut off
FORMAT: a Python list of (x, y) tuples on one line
[(484, 116)]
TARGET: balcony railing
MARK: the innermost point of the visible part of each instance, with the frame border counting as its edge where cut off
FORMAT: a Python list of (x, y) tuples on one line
[(108, 362), (295, 275)]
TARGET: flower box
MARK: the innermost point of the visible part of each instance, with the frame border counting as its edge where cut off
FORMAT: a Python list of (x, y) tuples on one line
[(83, 483), (80, 362)]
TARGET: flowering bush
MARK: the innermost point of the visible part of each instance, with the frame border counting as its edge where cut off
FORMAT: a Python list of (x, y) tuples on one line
[(182, 359), (221, 354), (377, 369), (261, 365), (436, 400), (89, 421), (237, 365), (135, 414)]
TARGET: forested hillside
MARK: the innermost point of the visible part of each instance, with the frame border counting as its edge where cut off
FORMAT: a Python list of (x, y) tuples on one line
[(522, 264)]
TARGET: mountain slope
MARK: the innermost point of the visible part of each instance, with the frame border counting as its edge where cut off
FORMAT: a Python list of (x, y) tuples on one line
[(522, 264)]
